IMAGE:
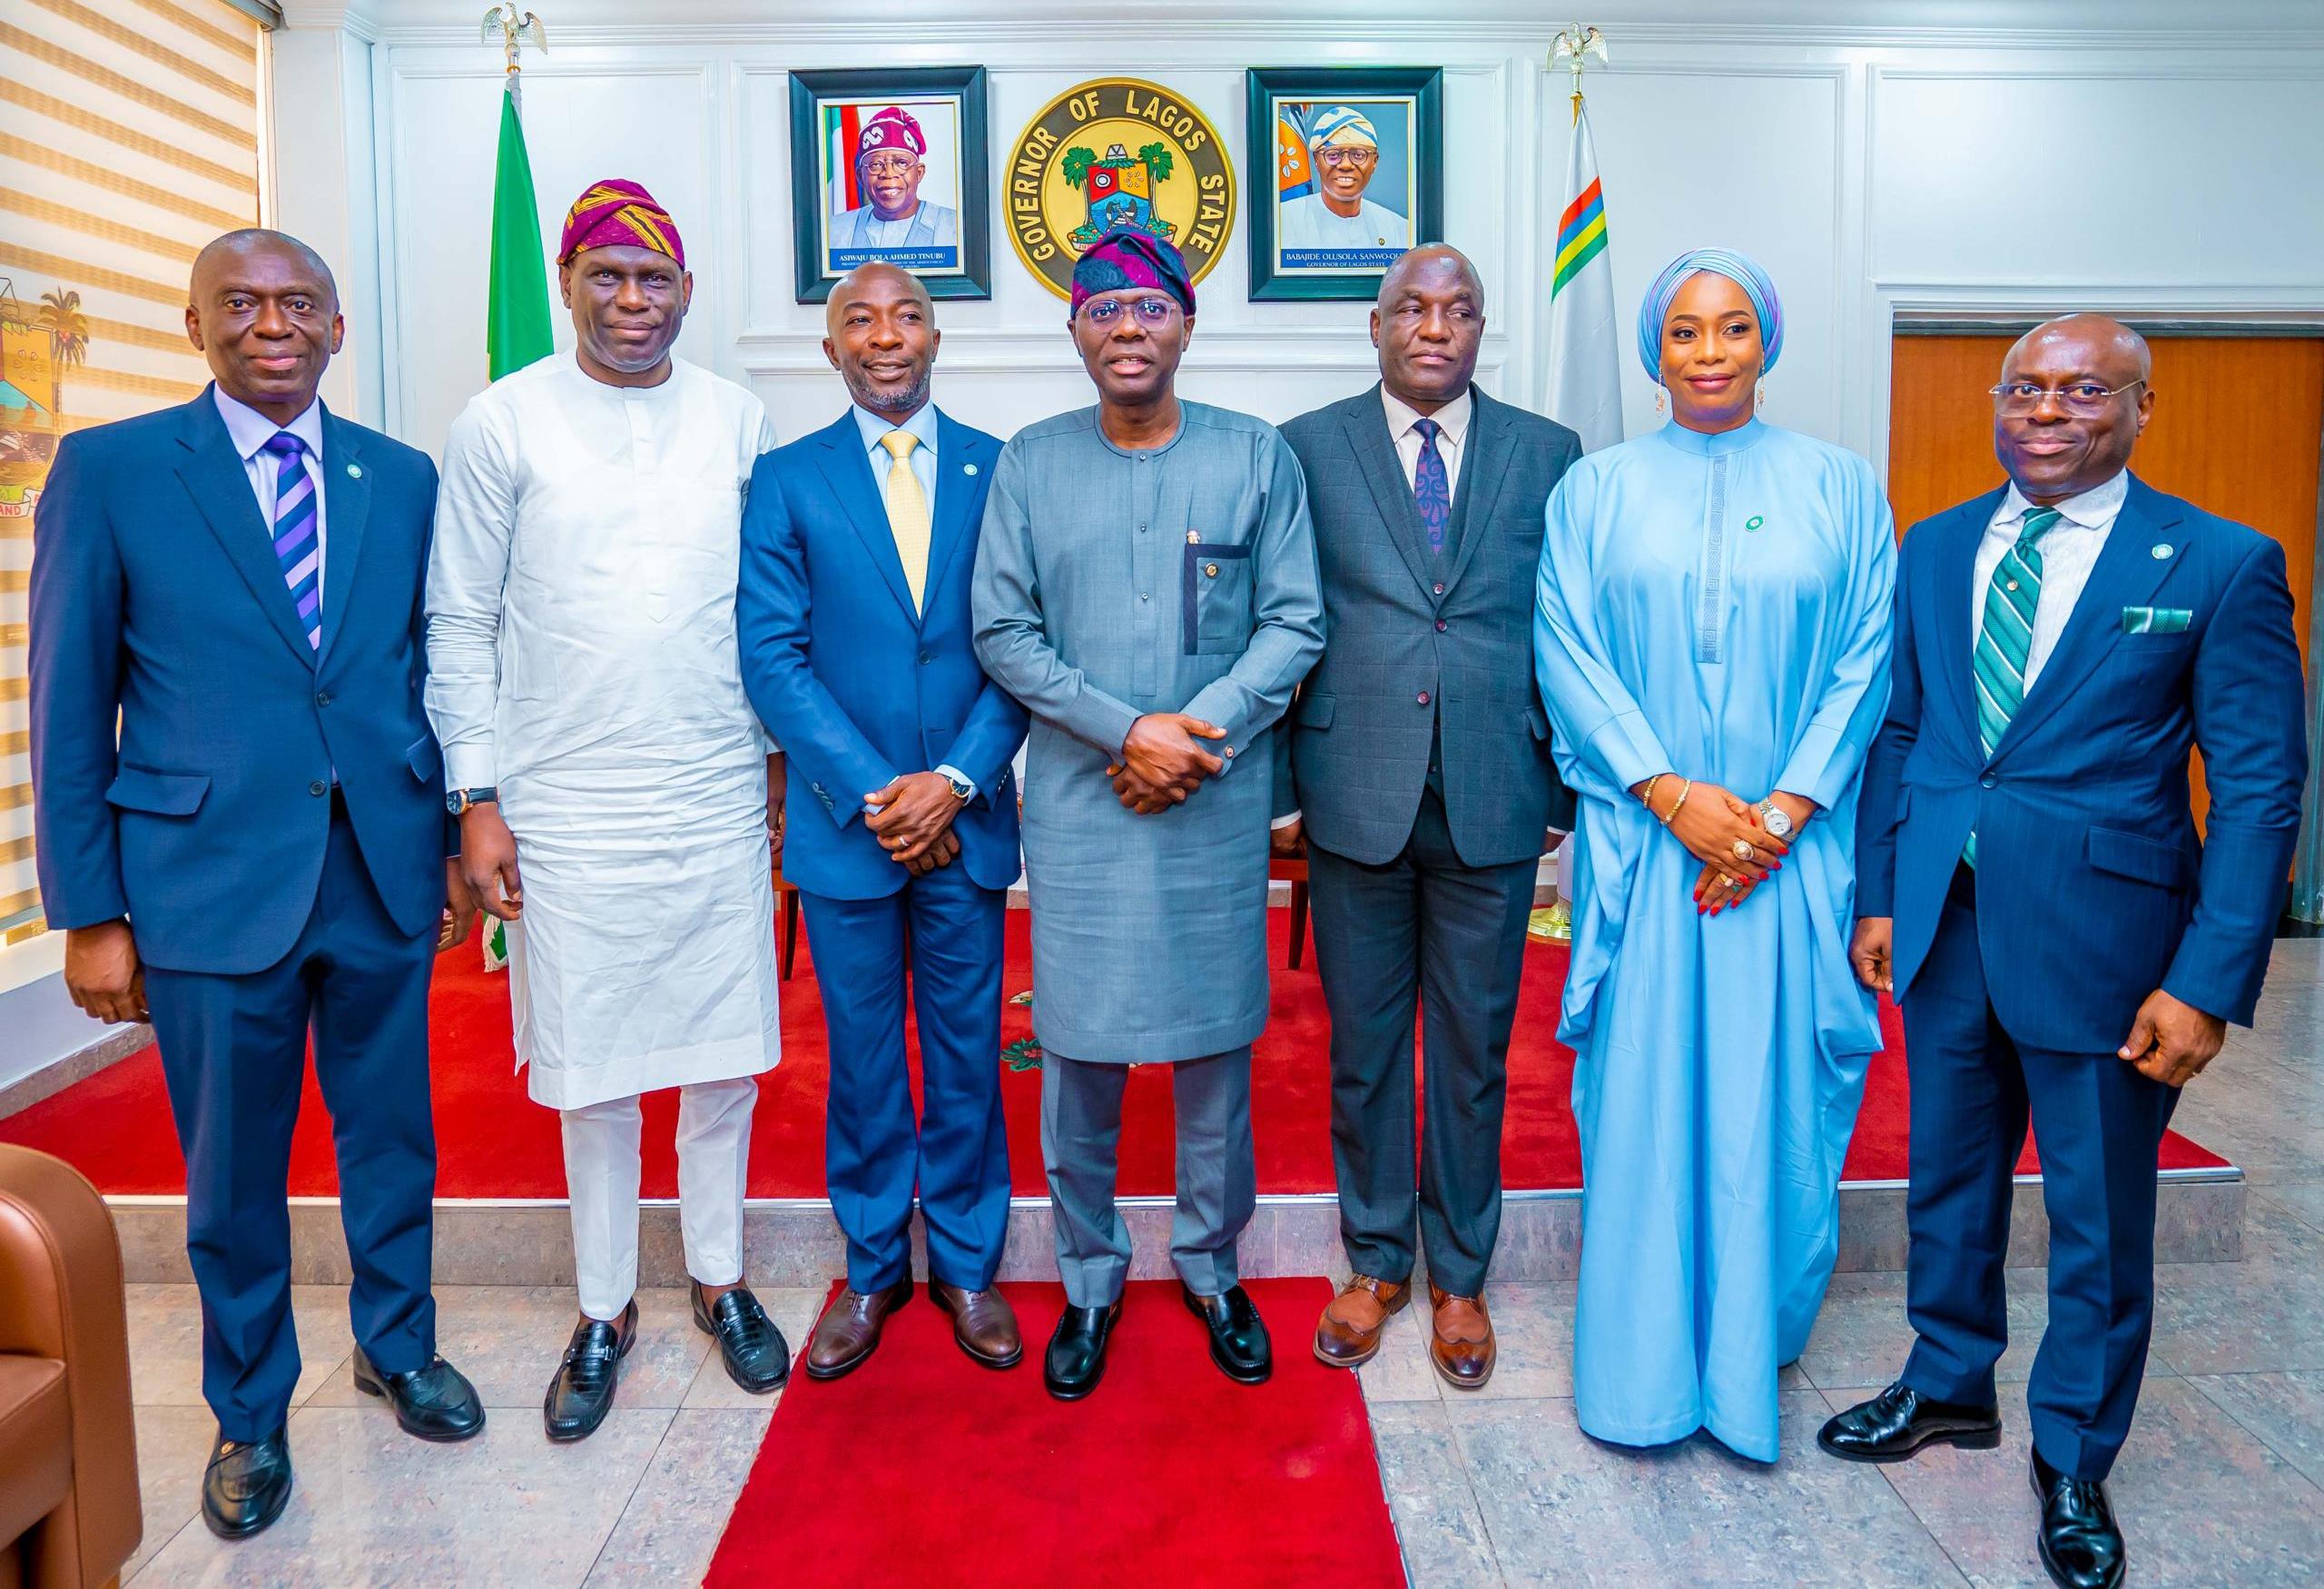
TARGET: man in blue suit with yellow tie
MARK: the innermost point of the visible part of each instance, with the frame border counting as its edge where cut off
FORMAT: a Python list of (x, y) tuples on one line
[(261, 854), (853, 611), (2031, 885)]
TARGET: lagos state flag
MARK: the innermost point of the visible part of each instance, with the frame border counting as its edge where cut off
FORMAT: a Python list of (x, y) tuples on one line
[(1585, 382)]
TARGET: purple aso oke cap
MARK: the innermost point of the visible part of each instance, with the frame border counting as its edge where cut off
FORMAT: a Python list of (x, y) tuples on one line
[(1131, 259), (1739, 269)]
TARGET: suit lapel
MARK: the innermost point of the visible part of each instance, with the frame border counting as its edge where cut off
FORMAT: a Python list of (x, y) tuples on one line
[(2125, 574), (1365, 421), (1491, 445), (1954, 623), (346, 512), (958, 453), (213, 475), (849, 468)]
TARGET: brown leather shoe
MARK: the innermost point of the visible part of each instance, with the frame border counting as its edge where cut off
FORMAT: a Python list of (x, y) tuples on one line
[(1460, 1341), (982, 1322), (1348, 1335), (850, 1328)]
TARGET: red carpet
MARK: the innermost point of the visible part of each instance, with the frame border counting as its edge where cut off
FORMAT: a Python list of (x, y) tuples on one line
[(921, 1468), (494, 1142)]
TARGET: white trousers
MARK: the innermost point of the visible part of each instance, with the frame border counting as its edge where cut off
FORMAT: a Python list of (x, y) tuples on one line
[(601, 1174)]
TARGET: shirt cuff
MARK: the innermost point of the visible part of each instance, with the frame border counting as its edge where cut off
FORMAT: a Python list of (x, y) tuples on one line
[(469, 766), (1285, 821), (958, 776)]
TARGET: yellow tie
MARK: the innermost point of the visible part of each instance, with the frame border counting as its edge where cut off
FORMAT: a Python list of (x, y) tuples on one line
[(906, 511)]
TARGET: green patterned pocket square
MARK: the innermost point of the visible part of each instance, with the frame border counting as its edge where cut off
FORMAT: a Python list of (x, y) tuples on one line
[(2157, 620)]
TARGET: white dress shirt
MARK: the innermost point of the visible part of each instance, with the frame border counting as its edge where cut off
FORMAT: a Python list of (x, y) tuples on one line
[(250, 431), (2069, 549), (923, 458), (1454, 421)]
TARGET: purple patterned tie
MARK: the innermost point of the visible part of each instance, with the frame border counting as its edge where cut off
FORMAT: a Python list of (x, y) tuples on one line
[(296, 547), (1432, 488)]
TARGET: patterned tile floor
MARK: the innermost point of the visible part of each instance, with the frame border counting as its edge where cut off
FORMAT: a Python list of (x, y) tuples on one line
[(2223, 1481)]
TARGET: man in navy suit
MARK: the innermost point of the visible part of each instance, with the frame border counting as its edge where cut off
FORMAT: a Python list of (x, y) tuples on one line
[(853, 611), (261, 856), (2031, 885)]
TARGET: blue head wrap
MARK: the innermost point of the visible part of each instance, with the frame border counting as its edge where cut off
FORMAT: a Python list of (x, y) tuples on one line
[(1739, 269)]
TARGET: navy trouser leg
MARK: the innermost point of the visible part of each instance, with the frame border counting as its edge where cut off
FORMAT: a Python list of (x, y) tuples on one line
[(2099, 1125), (955, 935), (871, 1145), (371, 1025), (1969, 1109), (234, 1053)]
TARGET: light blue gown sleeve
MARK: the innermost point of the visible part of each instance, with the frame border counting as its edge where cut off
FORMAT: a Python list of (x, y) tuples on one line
[(1603, 742), (1287, 615), (1832, 745)]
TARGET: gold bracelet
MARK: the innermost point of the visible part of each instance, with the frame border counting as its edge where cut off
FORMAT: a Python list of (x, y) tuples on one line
[(1646, 796), (1683, 793)]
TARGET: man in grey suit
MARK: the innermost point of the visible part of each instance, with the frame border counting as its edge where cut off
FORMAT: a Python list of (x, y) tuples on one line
[(1421, 760)]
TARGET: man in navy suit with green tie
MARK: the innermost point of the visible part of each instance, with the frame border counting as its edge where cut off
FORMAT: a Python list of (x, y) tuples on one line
[(2031, 885)]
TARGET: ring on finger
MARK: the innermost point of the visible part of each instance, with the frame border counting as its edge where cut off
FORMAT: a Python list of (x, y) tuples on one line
[(1743, 850)]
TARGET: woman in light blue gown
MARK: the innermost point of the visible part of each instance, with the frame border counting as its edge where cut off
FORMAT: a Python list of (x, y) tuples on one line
[(1712, 638)]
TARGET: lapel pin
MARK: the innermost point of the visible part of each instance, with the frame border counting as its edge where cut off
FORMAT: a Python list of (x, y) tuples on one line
[(2161, 550), (968, 469), (354, 471)]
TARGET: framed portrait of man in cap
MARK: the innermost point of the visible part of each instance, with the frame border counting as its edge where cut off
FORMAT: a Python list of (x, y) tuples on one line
[(891, 166), (1357, 160)]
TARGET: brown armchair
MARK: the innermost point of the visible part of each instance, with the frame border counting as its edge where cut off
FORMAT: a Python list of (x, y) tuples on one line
[(69, 1513)]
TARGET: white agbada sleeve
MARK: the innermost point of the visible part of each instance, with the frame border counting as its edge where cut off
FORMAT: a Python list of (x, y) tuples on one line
[(468, 569)]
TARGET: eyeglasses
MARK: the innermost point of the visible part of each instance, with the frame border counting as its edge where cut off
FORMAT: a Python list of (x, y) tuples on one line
[(1102, 312), (2086, 399), (1357, 156)]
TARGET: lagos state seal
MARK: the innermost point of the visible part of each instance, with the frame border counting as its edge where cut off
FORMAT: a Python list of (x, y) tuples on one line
[(1117, 154)]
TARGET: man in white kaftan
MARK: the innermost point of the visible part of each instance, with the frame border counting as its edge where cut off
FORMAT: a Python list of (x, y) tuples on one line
[(584, 680)]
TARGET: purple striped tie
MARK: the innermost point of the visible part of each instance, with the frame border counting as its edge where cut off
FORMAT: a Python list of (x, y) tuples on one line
[(296, 547)]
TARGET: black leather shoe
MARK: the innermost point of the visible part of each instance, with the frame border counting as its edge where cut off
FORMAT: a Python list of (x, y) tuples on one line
[(749, 1345), (1898, 1422), (434, 1403), (1238, 1337), (2080, 1542), (1076, 1355), (247, 1484), (582, 1392)]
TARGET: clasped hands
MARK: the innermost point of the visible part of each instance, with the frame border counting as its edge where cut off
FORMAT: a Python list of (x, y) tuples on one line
[(912, 820), (1161, 764), (1711, 822)]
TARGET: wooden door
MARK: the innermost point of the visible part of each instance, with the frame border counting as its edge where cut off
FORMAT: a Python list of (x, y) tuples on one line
[(2238, 427)]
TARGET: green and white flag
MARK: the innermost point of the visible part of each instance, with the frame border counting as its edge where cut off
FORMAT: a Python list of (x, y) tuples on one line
[(517, 329), (1585, 381)]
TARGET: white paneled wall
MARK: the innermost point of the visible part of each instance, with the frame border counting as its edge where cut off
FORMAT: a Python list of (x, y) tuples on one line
[(2014, 154)]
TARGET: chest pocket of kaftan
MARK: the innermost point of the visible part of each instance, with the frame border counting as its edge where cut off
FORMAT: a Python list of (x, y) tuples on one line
[(1215, 598)]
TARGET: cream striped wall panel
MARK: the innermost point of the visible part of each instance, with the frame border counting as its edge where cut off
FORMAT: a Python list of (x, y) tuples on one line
[(128, 137)]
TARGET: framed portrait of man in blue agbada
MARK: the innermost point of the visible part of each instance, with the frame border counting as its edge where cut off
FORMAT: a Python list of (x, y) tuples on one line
[(891, 166), (1355, 164)]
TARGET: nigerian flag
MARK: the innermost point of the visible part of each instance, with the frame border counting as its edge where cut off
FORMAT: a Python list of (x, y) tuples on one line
[(516, 328), (1585, 383)]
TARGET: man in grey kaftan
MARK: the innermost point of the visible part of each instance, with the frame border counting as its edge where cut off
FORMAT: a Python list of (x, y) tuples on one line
[(1113, 583)]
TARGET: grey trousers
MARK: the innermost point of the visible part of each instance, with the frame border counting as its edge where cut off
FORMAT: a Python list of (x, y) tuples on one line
[(1081, 1129)]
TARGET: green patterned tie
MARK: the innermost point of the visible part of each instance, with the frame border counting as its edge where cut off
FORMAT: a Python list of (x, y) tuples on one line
[(2006, 639)]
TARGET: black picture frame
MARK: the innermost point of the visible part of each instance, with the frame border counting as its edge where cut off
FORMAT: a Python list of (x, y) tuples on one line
[(1272, 280), (971, 276)]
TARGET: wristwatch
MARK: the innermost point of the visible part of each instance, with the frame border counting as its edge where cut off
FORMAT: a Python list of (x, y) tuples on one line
[(961, 792), (1774, 818), (459, 801)]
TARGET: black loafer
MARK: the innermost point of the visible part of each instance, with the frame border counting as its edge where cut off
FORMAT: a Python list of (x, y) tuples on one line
[(581, 1393), (247, 1484), (2080, 1542), (1238, 1337), (1076, 1359), (751, 1349), (1899, 1421), (434, 1403)]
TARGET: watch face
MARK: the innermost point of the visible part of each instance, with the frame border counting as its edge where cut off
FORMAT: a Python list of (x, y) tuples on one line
[(1777, 821)]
